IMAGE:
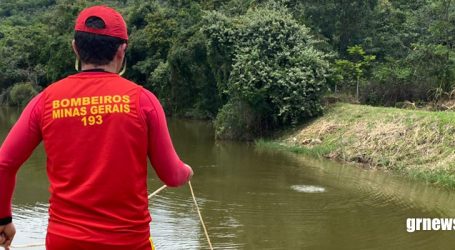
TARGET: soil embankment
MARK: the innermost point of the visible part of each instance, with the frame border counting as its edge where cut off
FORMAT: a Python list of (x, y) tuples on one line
[(420, 144)]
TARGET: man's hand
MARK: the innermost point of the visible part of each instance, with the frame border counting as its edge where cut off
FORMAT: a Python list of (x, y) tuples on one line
[(191, 171), (7, 233)]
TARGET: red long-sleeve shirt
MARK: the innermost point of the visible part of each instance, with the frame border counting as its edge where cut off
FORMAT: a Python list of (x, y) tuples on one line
[(98, 130)]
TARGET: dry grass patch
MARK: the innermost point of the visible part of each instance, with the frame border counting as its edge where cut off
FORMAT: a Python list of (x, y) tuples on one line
[(388, 138)]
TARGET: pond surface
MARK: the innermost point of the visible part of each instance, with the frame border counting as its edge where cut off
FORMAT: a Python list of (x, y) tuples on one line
[(259, 199)]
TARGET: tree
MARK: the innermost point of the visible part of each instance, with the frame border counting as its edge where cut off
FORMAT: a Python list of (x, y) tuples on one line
[(344, 23), (440, 40), (354, 69)]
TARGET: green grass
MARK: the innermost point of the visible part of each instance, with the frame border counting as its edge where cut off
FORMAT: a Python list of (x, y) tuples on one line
[(440, 177), (416, 143), (317, 151)]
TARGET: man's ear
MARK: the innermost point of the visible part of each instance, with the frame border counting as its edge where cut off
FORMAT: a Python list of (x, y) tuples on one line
[(73, 44), (121, 51)]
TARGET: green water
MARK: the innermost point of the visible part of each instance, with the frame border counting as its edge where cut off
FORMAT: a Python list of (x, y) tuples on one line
[(253, 199)]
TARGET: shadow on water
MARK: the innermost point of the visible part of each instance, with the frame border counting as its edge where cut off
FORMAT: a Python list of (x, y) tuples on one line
[(260, 199)]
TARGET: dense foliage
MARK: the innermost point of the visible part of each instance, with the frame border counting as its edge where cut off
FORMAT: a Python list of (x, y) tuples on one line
[(277, 76), (251, 65)]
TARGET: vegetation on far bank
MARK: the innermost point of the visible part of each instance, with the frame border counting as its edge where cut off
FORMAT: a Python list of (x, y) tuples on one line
[(257, 66), (253, 66), (415, 143)]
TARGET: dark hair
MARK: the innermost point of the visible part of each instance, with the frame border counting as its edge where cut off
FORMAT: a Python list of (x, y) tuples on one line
[(93, 48)]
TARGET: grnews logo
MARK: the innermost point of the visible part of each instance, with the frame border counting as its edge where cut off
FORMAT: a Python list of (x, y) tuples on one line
[(429, 224)]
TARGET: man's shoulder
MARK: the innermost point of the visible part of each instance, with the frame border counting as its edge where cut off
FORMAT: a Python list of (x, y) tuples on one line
[(148, 96), (129, 82), (74, 78), (56, 84)]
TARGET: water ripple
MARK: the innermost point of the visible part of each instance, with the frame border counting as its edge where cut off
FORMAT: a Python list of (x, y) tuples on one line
[(308, 189)]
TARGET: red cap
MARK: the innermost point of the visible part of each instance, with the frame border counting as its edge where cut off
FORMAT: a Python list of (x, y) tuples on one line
[(115, 25)]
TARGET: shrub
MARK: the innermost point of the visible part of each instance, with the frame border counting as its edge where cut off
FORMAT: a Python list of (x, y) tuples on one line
[(22, 93), (236, 120), (276, 71)]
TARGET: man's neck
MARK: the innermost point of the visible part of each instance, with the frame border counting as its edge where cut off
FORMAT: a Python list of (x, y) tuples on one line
[(108, 67)]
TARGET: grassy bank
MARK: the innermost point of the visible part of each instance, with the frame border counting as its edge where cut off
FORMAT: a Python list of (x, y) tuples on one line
[(418, 144)]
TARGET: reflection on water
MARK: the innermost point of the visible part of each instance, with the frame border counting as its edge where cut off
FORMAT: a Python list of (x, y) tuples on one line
[(171, 220), (29, 221), (254, 199), (308, 189)]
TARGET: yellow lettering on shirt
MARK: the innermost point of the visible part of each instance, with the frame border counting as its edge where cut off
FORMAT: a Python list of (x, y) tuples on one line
[(85, 101), (108, 99), (55, 104), (76, 102), (56, 114), (90, 109), (117, 98), (126, 108)]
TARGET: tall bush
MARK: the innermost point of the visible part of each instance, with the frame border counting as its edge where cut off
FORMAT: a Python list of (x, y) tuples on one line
[(276, 73)]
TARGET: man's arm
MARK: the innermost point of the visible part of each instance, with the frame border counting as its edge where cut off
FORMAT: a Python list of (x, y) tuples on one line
[(15, 150), (168, 166)]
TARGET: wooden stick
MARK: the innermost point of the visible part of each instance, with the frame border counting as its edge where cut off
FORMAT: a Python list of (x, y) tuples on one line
[(200, 216)]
